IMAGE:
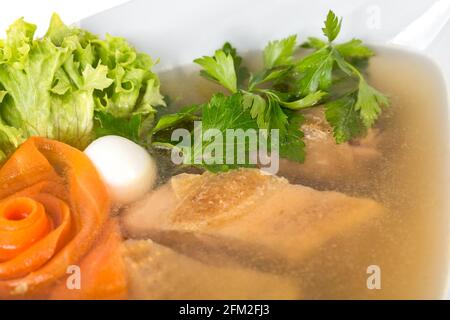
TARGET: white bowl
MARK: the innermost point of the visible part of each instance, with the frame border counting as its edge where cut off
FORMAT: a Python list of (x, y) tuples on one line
[(178, 31)]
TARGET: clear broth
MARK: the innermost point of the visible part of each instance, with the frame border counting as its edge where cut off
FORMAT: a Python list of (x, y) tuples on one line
[(410, 244)]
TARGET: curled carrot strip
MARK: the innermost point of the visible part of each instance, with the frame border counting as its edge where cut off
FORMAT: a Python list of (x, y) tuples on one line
[(54, 210), (23, 222)]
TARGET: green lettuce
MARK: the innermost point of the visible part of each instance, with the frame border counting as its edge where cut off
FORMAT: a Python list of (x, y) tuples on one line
[(53, 86)]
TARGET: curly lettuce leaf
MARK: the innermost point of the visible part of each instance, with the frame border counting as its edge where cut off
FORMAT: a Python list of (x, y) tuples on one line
[(10, 139), (52, 86), (135, 88), (35, 103)]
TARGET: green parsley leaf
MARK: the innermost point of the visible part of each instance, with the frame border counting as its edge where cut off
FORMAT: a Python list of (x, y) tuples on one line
[(316, 71), (332, 26), (354, 49), (292, 146), (228, 49), (310, 100), (265, 75), (369, 103), (314, 43), (107, 124), (241, 72), (279, 52), (220, 68), (173, 119), (257, 106), (223, 113), (276, 116), (344, 118)]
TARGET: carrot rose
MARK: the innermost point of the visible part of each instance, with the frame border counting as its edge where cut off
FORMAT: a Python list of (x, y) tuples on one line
[(54, 215)]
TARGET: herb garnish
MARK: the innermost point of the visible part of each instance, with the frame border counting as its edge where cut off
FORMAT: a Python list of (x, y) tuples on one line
[(274, 97)]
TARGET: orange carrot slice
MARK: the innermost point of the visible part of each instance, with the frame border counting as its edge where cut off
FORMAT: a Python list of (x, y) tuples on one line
[(23, 221), (54, 210), (103, 273)]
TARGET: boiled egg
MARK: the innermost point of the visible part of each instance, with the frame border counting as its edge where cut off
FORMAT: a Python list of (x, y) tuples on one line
[(127, 169)]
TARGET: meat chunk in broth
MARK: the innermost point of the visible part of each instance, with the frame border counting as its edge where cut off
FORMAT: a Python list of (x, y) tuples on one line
[(251, 207), (158, 272), (328, 162)]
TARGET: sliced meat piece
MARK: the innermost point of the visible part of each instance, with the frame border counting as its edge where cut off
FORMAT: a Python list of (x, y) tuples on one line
[(330, 163), (222, 251), (157, 272), (249, 206)]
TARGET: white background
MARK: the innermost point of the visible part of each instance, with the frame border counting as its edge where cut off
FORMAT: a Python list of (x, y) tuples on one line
[(40, 11)]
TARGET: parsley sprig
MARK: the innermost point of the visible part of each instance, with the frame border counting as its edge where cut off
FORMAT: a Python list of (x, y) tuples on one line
[(274, 97)]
